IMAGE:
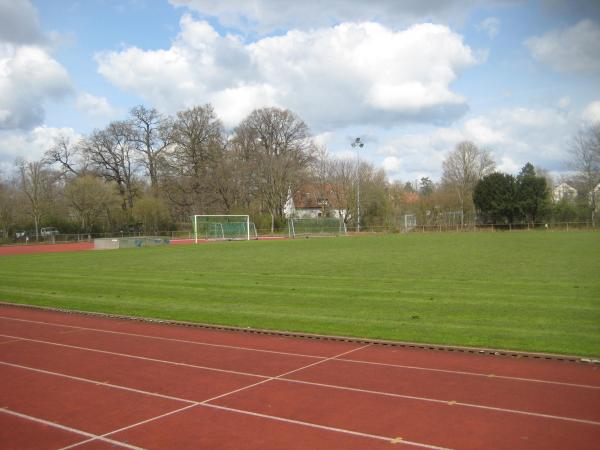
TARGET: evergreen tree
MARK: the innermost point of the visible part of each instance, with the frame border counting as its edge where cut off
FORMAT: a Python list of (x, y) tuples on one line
[(532, 193), (495, 197)]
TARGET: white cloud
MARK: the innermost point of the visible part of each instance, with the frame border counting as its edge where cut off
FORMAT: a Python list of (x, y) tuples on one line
[(29, 76), (29, 145), (333, 76), (574, 49), (591, 113), (514, 136), (265, 16), (490, 25), (95, 107), (19, 22), (392, 165)]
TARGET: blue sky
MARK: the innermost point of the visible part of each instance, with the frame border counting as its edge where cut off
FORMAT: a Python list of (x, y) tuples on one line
[(412, 78)]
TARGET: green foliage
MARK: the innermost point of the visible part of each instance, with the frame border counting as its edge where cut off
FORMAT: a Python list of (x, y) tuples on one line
[(495, 196), (536, 291), (532, 193), (427, 187), (500, 197), (565, 210), (152, 212)]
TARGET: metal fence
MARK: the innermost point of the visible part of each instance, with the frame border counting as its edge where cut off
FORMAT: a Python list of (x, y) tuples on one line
[(189, 234)]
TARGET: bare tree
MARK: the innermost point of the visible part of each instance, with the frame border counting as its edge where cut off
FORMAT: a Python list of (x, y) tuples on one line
[(585, 161), (34, 183), (342, 176), (198, 145), (66, 153), (110, 151), (89, 197), (282, 148), (463, 168), (8, 204), (151, 136)]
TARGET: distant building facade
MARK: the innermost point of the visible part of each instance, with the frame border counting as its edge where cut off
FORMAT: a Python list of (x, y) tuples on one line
[(564, 191), (313, 201)]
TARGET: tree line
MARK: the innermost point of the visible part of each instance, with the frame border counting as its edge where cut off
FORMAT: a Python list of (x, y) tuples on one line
[(152, 171)]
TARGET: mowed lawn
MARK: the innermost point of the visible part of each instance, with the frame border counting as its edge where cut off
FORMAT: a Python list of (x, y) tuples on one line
[(536, 291)]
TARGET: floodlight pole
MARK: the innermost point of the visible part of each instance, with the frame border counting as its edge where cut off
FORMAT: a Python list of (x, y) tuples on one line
[(358, 144)]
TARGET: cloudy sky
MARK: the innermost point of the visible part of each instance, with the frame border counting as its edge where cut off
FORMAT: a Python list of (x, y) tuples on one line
[(410, 77)]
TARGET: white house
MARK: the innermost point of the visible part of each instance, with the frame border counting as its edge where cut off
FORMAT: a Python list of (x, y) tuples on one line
[(312, 201), (564, 191)]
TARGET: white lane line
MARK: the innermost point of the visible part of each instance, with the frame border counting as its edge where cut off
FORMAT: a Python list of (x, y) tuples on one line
[(75, 330), (95, 382), (458, 372), (266, 378), (142, 358), (92, 437), (284, 374), (279, 377), (234, 410), (146, 336), (103, 437), (324, 427), (443, 402), (474, 374)]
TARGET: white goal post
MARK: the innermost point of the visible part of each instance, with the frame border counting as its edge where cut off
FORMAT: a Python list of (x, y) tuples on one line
[(222, 227)]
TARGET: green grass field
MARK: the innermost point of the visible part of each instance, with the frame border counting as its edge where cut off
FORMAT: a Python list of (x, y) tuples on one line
[(533, 291)]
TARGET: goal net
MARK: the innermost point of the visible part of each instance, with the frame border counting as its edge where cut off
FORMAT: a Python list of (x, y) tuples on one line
[(223, 227), (410, 221), (316, 226)]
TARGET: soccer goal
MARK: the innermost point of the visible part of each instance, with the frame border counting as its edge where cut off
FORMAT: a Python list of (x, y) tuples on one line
[(410, 221), (320, 226), (223, 227)]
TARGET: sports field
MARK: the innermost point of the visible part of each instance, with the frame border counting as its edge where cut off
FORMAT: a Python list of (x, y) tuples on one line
[(532, 291)]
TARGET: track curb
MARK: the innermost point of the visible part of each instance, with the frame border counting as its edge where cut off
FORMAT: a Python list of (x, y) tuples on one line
[(320, 337)]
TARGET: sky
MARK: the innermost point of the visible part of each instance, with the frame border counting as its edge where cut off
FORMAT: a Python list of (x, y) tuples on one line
[(411, 78)]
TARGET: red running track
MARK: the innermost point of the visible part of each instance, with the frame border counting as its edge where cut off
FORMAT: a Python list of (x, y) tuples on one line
[(45, 248), (77, 381), (79, 246)]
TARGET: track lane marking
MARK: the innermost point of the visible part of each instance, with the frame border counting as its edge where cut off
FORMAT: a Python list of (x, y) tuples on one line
[(151, 419), (48, 423), (162, 338), (142, 358), (95, 382), (310, 383), (474, 374), (324, 427), (445, 402), (457, 372), (192, 404), (283, 374), (251, 413)]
